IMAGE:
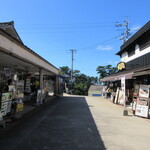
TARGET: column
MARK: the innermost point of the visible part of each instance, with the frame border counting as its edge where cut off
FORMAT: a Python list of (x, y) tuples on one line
[(56, 93), (41, 78)]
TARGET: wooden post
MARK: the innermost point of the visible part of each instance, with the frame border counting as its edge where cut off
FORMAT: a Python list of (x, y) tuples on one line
[(56, 86), (41, 78)]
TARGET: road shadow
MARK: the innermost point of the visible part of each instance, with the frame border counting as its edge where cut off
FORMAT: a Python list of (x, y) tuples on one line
[(66, 125), (75, 125)]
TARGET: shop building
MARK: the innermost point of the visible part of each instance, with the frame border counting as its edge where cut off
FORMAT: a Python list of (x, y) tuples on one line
[(21, 69), (131, 83)]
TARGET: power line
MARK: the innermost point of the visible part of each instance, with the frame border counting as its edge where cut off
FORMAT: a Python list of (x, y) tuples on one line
[(65, 24), (103, 42), (65, 27)]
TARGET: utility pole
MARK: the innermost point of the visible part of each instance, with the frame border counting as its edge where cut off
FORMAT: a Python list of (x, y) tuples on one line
[(72, 59), (125, 34)]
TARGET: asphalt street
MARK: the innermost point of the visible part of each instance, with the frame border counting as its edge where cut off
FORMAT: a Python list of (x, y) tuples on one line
[(66, 125), (79, 123)]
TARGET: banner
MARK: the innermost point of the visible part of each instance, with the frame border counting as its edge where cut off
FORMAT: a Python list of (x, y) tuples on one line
[(123, 87)]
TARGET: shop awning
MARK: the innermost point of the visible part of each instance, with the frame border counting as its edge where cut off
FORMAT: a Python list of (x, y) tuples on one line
[(141, 73), (20, 55), (129, 74), (117, 77)]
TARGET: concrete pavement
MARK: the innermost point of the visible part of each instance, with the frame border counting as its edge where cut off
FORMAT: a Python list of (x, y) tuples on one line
[(119, 132)]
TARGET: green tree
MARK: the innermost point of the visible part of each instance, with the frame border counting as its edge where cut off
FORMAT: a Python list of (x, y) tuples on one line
[(82, 81), (64, 70), (106, 70), (76, 72), (82, 84)]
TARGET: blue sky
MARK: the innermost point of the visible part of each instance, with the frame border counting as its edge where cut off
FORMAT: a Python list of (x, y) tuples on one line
[(52, 27)]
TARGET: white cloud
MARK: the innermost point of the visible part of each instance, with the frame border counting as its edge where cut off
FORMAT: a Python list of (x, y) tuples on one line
[(135, 28), (104, 48)]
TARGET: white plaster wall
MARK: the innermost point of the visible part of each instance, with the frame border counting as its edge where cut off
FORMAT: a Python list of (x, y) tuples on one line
[(21, 52), (137, 54), (124, 57)]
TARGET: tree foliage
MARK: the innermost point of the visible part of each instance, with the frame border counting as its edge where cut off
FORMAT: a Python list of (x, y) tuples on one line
[(82, 84), (64, 70), (82, 81), (106, 70)]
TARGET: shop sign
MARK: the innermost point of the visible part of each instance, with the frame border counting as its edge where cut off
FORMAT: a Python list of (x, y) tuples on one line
[(121, 66), (6, 96), (141, 111), (144, 91), (123, 87), (6, 102), (142, 107)]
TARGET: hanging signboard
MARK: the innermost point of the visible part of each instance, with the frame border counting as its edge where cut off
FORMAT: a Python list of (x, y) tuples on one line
[(142, 107), (121, 66)]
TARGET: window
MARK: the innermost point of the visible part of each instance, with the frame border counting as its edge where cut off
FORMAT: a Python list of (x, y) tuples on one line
[(131, 50)]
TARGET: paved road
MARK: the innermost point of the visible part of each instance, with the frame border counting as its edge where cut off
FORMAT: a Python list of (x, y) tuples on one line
[(79, 123), (117, 131), (66, 125)]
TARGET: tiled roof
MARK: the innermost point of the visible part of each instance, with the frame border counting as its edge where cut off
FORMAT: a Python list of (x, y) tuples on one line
[(8, 29)]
